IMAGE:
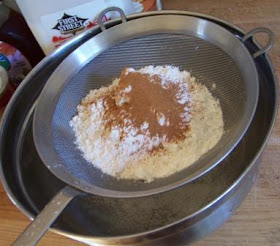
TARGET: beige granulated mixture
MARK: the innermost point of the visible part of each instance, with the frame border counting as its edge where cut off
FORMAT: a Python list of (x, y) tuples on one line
[(148, 124)]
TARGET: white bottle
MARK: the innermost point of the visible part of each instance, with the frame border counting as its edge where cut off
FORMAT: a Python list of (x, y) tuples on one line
[(55, 21)]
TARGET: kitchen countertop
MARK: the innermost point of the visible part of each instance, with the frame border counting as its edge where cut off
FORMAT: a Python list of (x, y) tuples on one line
[(257, 221)]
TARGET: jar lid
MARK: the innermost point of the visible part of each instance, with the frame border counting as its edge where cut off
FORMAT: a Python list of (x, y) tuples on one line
[(3, 80)]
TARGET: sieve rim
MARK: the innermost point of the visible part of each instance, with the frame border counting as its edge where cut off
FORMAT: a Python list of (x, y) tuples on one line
[(40, 108)]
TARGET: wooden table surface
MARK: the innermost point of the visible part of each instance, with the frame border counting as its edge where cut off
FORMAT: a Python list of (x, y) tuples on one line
[(257, 221)]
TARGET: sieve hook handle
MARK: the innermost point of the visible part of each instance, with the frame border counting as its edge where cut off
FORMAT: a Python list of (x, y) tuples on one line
[(261, 30), (101, 15), (33, 233)]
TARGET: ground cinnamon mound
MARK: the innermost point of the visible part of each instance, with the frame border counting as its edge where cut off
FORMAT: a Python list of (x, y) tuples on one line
[(142, 98)]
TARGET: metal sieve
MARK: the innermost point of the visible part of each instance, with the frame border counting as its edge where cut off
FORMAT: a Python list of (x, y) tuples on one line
[(208, 51), (212, 54)]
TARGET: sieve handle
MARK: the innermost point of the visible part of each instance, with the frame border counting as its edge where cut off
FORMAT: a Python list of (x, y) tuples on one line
[(33, 233), (101, 15), (261, 30)]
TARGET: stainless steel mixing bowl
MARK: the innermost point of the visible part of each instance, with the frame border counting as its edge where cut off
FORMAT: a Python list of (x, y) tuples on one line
[(176, 217)]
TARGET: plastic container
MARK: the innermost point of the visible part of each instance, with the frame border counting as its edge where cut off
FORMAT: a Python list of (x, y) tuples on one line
[(53, 22), (15, 31), (19, 51), (6, 90)]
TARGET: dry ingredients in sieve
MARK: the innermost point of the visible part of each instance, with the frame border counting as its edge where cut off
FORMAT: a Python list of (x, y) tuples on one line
[(149, 123)]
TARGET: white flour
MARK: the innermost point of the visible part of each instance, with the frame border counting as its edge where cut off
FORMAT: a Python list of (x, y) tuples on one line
[(131, 157)]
